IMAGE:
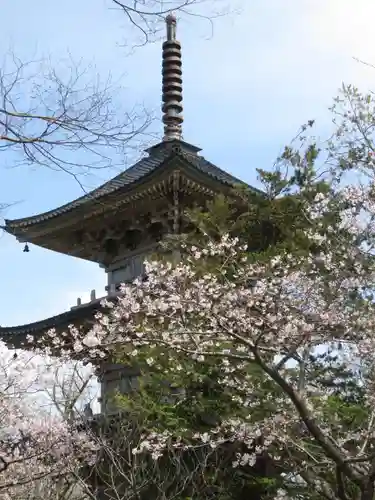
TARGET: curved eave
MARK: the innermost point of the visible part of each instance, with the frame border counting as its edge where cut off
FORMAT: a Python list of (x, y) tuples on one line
[(24, 228), (19, 227), (15, 336)]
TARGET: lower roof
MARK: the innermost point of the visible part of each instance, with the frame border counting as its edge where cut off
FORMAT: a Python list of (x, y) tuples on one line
[(15, 336)]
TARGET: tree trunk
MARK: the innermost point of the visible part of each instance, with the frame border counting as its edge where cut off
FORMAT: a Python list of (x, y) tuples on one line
[(368, 492)]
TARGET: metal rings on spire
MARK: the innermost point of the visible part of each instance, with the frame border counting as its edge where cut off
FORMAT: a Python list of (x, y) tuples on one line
[(172, 83)]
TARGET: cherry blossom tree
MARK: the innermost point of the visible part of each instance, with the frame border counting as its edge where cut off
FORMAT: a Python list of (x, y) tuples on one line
[(40, 452), (274, 346)]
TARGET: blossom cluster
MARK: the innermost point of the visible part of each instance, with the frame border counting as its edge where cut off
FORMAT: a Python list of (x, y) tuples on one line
[(266, 314), (36, 445)]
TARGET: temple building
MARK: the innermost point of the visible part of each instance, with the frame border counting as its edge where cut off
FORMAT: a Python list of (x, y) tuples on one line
[(120, 223)]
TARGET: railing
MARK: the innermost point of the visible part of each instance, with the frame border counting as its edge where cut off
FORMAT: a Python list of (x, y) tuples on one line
[(112, 290)]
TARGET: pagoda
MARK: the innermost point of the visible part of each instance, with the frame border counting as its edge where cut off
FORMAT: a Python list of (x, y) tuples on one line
[(123, 221)]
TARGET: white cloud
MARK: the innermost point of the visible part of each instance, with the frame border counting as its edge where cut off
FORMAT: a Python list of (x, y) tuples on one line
[(342, 27)]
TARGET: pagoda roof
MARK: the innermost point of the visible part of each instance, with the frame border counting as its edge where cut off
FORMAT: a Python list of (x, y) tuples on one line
[(15, 336), (159, 155)]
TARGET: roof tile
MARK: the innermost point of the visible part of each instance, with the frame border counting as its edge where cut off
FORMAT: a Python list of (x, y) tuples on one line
[(127, 178)]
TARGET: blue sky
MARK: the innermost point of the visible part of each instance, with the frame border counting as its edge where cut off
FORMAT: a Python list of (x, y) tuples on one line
[(247, 89)]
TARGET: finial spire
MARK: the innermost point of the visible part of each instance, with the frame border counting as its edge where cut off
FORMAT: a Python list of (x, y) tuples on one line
[(172, 83)]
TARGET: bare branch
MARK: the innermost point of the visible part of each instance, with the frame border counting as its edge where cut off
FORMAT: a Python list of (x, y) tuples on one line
[(65, 120), (147, 17)]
